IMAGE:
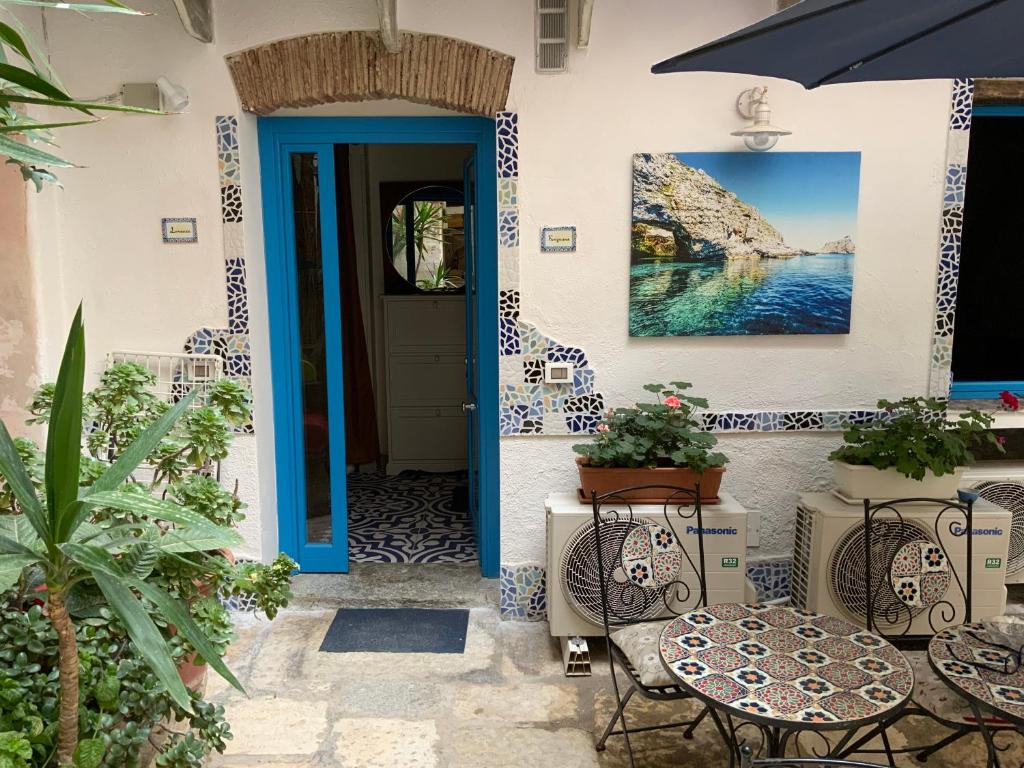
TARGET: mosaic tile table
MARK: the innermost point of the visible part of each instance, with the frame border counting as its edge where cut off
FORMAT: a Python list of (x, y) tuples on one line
[(785, 669), (989, 676)]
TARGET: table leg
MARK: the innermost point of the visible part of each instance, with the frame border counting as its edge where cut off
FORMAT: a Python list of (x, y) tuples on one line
[(986, 734)]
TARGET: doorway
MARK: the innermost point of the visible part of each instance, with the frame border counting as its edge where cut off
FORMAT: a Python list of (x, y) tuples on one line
[(382, 295)]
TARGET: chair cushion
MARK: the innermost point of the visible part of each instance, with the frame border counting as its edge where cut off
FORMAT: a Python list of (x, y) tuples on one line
[(932, 694), (639, 643)]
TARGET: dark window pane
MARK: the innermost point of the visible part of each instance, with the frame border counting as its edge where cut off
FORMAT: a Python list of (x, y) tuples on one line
[(987, 334), (313, 362)]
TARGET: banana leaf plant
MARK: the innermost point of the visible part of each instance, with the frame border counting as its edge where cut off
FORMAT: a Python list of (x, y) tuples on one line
[(26, 79), (55, 535)]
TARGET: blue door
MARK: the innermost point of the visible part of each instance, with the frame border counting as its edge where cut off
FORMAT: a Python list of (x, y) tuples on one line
[(301, 243), (472, 345)]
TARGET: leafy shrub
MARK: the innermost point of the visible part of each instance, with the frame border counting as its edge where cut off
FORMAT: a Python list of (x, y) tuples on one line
[(665, 433), (915, 435)]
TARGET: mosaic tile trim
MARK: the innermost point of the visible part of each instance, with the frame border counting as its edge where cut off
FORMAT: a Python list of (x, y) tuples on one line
[(523, 590), (231, 343), (770, 577), (940, 376)]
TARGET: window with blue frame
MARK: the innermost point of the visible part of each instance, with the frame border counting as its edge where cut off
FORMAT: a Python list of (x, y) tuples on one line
[(988, 340)]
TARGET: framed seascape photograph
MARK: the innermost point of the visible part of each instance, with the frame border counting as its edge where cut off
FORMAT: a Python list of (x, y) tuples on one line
[(743, 243)]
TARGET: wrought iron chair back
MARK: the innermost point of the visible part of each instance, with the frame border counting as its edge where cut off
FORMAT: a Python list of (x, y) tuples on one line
[(907, 578), (644, 559)]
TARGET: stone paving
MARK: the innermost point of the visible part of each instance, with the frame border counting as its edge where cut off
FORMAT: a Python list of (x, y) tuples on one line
[(504, 702)]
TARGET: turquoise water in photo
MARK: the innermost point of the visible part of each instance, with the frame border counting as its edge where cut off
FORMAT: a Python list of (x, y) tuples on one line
[(802, 295)]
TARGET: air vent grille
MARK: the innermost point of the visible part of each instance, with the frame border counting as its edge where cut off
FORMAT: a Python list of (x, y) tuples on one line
[(1009, 495), (552, 31), (803, 536)]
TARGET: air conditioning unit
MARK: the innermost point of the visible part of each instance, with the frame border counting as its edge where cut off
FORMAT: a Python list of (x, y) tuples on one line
[(1002, 483), (574, 596), (829, 552)]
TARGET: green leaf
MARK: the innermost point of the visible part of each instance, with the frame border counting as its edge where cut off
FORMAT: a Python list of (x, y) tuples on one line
[(142, 631), (31, 81), (160, 509), (25, 126), (106, 691), (64, 437), (10, 36), (89, 753), (17, 477), (18, 529), (17, 150), (81, 106), (11, 567), (144, 445), (192, 540), (108, 7)]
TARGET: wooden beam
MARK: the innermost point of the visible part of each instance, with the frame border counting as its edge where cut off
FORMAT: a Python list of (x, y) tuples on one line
[(586, 13), (387, 10), (1002, 90), (197, 18)]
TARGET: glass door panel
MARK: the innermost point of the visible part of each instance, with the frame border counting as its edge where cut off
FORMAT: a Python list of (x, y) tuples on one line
[(312, 245)]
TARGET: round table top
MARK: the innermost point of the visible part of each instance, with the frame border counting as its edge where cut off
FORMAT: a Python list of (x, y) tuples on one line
[(786, 667), (969, 664)]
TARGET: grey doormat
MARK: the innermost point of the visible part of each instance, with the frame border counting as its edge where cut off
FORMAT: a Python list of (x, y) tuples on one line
[(397, 630)]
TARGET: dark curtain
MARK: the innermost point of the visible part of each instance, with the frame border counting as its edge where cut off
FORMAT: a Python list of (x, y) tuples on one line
[(361, 441)]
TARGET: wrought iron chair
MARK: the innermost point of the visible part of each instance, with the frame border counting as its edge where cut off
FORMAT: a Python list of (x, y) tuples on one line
[(647, 576), (907, 578)]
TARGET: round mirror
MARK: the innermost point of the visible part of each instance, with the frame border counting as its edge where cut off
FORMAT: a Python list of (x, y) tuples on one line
[(424, 238)]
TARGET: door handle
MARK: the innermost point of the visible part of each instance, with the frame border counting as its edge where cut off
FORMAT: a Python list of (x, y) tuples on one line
[(468, 407)]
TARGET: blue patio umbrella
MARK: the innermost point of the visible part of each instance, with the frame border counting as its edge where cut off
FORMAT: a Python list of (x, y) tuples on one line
[(820, 42)]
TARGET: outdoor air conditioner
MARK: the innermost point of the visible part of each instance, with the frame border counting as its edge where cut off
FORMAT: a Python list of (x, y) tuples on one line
[(574, 597), (828, 563), (1002, 483)]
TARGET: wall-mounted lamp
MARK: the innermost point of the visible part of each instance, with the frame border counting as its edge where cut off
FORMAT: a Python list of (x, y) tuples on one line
[(760, 135), (173, 97)]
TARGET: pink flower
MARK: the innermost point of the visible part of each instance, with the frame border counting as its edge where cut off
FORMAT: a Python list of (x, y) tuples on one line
[(1010, 400), (602, 427), (673, 402), (1000, 439)]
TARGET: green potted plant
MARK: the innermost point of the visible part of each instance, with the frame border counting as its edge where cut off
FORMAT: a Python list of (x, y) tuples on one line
[(915, 448), (114, 546), (658, 443)]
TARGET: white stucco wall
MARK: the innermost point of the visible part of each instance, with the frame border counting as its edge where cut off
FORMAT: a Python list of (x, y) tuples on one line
[(577, 134)]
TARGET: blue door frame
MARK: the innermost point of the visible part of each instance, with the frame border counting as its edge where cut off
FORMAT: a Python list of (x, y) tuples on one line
[(987, 390), (278, 138)]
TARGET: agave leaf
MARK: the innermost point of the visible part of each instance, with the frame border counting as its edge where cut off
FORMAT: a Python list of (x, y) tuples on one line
[(64, 436), (13, 470), (19, 151)]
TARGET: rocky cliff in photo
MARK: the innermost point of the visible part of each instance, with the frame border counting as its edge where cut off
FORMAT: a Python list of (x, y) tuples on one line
[(682, 213), (843, 245)]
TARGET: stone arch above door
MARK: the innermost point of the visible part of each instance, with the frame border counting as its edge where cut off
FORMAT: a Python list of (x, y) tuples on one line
[(331, 67)]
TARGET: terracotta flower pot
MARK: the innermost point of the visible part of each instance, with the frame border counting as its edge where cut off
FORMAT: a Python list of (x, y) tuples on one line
[(608, 479)]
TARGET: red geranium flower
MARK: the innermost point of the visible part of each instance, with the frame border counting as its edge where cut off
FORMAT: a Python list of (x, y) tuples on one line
[(1010, 400)]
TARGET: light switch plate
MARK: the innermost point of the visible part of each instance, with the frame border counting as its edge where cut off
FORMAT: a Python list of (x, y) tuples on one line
[(558, 373)]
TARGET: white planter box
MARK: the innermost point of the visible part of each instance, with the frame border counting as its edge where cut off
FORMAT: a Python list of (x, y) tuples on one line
[(866, 482)]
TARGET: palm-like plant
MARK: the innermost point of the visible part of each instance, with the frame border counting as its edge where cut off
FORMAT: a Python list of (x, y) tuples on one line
[(55, 535), (31, 81)]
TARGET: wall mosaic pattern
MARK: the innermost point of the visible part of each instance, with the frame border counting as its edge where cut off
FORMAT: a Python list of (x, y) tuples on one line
[(941, 379), (231, 343), (523, 592)]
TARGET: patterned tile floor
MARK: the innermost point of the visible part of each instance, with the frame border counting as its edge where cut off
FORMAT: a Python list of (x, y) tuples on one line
[(412, 517)]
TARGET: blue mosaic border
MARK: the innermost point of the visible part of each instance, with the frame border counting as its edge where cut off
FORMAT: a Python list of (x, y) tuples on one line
[(231, 344), (523, 591), (523, 587), (940, 378)]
